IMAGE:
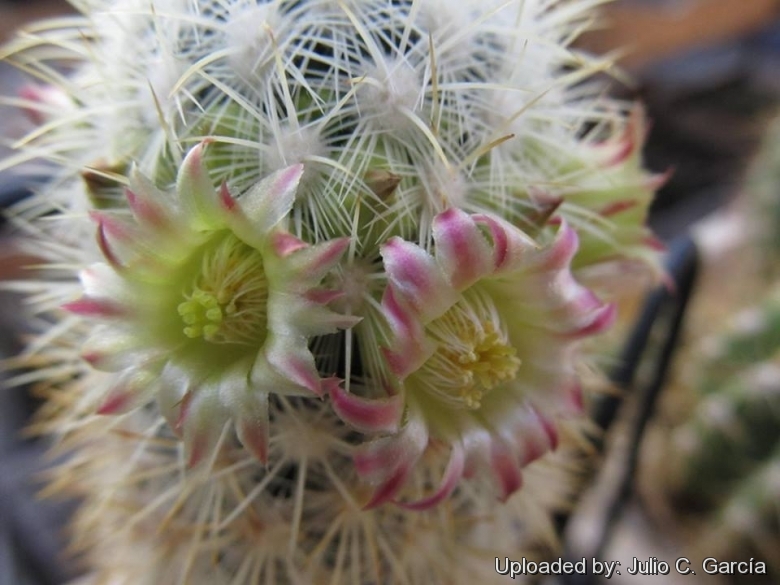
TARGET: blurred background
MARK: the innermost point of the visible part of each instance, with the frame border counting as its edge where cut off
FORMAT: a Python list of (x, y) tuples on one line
[(702, 478)]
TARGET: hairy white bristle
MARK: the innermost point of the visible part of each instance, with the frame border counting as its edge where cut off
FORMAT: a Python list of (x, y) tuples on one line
[(251, 31), (390, 93)]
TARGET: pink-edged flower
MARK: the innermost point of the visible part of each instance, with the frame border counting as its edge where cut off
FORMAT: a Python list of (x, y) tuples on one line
[(483, 349), (612, 195), (208, 304)]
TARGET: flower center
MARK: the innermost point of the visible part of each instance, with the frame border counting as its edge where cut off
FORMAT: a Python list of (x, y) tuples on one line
[(227, 301), (473, 354)]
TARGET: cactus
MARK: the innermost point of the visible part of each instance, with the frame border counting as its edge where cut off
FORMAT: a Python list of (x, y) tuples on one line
[(763, 182), (726, 452), (332, 260)]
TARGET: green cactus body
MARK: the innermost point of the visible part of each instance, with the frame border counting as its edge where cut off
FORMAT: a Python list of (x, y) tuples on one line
[(727, 451)]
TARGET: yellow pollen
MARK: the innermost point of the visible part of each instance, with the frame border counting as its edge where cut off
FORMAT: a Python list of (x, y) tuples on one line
[(473, 357), (227, 301)]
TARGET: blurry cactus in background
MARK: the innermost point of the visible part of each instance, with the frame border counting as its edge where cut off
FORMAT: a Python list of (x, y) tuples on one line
[(763, 185), (726, 454), (718, 438), (340, 263)]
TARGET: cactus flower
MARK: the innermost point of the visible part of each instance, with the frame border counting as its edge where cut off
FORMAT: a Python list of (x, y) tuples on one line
[(483, 348), (208, 304)]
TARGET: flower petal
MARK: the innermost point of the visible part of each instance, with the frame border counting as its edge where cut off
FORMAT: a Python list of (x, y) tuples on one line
[(461, 249), (133, 389), (285, 244), (598, 321), (291, 359), (111, 350), (268, 202), (452, 475), (196, 191), (510, 245), (106, 249), (388, 461), (174, 390), (409, 349), (506, 469), (148, 211), (203, 417), (366, 415), (252, 425), (416, 278), (312, 263), (558, 256), (88, 307)]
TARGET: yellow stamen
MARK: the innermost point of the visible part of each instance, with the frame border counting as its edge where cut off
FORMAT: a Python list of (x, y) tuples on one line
[(227, 302), (473, 356)]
